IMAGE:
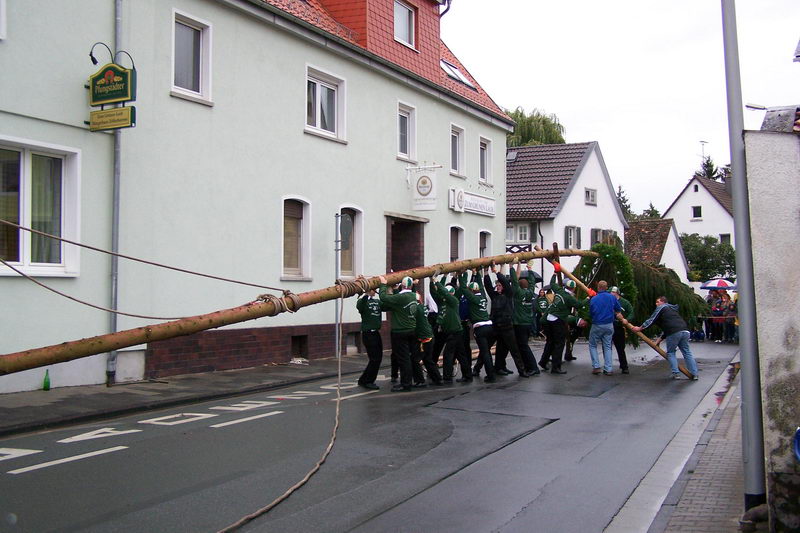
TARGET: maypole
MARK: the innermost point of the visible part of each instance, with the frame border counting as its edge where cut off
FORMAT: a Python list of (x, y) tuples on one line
[(267, 305)]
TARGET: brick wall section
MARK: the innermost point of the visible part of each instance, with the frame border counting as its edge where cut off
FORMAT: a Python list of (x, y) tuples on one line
[(228, 349)]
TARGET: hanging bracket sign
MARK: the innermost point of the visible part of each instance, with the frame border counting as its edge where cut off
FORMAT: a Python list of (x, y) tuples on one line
[(112, 84)]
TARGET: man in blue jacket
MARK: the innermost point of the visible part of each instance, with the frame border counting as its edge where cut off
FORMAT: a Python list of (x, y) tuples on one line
[(602, 307)]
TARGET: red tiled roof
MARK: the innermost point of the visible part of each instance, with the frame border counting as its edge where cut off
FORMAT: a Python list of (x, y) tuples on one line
[(538, 176), (372, 30), (719, 192), (645, 239)]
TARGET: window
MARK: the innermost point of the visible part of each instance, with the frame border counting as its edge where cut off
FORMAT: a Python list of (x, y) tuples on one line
[(2, 19), (590, 196), (595, 236), (406, 132), (522, 233), (484, 244), (510, 234), (725, 238), (39, 190), (485, 160), (696, 187), (404, 23), (454, 72), (350, 256), (295, 238), (324, 104), (572, 237), (191, 59), (456, 243), (456, 151), (697, 211)]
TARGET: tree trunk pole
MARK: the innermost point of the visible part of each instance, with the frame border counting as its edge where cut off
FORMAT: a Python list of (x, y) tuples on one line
[(624, 322), (67, 351)]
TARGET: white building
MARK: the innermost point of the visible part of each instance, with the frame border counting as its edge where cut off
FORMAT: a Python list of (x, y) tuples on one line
[(559, 193), (704, 207), (257, 122)]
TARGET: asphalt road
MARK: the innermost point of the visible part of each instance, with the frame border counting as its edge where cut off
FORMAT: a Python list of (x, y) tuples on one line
[(551, 454)]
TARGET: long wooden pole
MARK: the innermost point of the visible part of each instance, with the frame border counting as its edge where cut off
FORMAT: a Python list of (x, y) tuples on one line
[(624, 322), (67, 351)]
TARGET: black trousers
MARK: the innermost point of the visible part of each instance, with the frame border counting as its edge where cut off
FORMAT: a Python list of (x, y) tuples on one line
[(422, 354), (507, 342), (439, 338), (402, 345), (619, 344), (374, 345), (556, 333), (454, 348), (522, 334), (484, 337)]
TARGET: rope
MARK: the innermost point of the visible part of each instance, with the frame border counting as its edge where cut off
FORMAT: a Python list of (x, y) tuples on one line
[(83, 302), (280, 302), (152, 263), (348, 287), (267, 508)]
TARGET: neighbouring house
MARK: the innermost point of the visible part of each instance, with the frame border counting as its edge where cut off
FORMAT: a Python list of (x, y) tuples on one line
[(656, 242), (258, 122), (559, 193), (705, 207)]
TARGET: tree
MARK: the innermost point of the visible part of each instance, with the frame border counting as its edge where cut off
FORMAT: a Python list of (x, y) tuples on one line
[(534, 128), (709, 170), (707, 257), (625, 205), (650, 212)]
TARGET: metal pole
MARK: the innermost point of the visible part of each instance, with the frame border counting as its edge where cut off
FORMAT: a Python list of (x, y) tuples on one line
[(752, 429), (337, 250), (111, 362)]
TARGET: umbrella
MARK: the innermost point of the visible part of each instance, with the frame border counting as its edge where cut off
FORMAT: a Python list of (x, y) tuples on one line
[(718, 284)]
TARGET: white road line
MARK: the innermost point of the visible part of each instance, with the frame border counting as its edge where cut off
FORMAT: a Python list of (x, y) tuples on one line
[(67, 460), (11, 453), (248, 419), (355, 395)]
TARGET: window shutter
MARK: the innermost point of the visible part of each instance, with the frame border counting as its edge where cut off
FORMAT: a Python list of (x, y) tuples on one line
[(578, 238), (292, 235), (293, 208), (566, 236)]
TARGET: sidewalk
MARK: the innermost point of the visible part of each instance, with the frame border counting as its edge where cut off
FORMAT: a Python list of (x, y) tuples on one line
[(707, 497)]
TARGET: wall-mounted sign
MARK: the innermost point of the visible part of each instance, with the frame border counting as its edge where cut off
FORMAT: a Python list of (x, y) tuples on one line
[(455, 200), (461, 201), (112, 119), (424, 197), (112, 83)]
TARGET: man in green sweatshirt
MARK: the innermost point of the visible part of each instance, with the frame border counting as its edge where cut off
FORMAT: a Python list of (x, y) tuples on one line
[(403, 306), (481, 323), (522, 318), (369, 306), (619, 330), (451, 328), (555, 325)]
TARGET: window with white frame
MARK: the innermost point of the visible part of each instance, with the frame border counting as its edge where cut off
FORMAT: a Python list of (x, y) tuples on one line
[(191, 58), (572, 237), (324, 104), (457, 150), (590, 196), (456, 243), (725, 238), (485, 160), (39, 190), (484, 244), (295, 238), (697, 211), (454, 72), (510, 232), (522, 233), (404, 30), (350, 256), (406, 132)]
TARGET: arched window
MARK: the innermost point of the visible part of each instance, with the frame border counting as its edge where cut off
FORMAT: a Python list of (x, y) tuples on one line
[(293, 214)]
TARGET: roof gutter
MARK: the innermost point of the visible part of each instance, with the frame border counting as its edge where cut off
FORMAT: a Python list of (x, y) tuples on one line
[(331, 41)]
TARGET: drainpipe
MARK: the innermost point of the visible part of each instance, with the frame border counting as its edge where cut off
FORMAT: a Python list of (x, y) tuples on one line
[(752, 430), (111, 362)]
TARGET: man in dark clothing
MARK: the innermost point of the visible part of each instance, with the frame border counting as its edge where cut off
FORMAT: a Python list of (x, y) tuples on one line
[(403, 306), (555, 325), (502, 296), (423, 348), (675, 332), (451, 327), (369, 306), (481, 323), (522, 318), (619, 329)]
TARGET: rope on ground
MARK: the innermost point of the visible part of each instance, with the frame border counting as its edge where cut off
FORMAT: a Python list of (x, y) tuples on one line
[(267, 508), (86, 303), (145, 261)]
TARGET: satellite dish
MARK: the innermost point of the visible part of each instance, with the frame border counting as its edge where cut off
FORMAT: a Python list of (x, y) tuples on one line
[(345, 230)]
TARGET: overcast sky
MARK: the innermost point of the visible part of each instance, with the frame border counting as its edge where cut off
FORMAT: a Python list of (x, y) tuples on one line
[(645, 79)]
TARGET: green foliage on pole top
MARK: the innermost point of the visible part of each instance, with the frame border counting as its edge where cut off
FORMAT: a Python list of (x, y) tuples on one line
[(612, 266)]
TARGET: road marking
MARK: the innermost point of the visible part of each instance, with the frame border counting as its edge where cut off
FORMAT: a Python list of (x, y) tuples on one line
[(67, 460), (355, 395), (310, 393), (11, 453), (298, 395), (245, 405), (345, 385), (248, 419), (191, 417), (98, 434)]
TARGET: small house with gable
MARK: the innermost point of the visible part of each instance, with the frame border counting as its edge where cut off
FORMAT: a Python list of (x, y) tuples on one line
[(656, 242)]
